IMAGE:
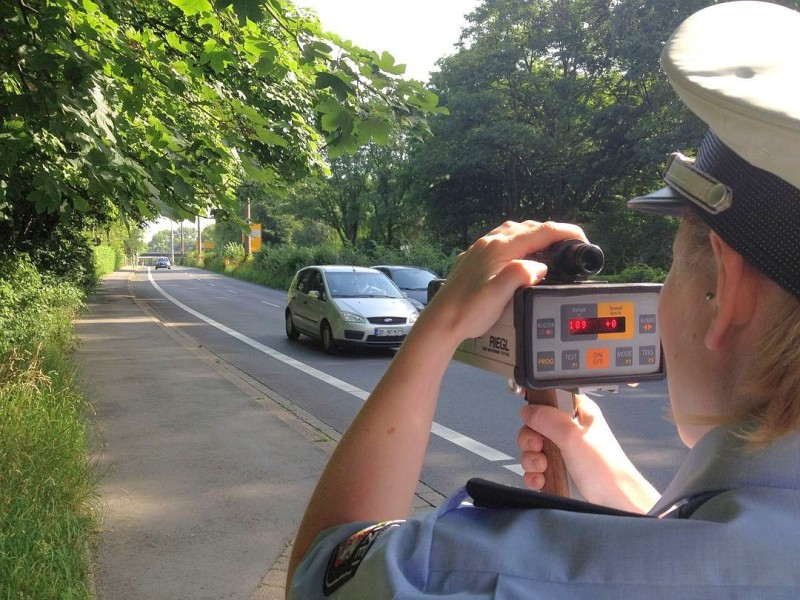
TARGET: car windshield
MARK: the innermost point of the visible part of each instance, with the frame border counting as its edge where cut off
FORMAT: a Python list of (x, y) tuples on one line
[(412, 279), (359, 284)]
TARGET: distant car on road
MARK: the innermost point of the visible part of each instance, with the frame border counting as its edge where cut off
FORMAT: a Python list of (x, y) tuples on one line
[(163, 263), (411, 280), (344, 305)]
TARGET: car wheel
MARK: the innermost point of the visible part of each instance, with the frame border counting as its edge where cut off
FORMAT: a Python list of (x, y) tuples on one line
[(328, 343), (291, 331)]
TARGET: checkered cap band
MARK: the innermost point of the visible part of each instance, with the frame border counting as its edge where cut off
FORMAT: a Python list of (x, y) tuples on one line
[(763, 222)]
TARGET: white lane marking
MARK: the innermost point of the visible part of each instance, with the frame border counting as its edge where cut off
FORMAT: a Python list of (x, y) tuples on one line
[(459, 439), (515, 469), (338, 383), (474, 446), (271, 304)]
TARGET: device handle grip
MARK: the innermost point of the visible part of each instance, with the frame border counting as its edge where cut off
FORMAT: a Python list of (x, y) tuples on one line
[(555, 477)]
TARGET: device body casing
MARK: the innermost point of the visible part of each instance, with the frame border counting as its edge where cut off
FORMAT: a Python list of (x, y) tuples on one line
[(531, 342)]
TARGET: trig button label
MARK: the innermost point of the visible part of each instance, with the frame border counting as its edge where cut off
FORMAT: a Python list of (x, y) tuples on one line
[(647, 355)]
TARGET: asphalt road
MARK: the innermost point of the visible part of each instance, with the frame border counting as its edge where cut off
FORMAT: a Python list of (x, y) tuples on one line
[(476, 421)]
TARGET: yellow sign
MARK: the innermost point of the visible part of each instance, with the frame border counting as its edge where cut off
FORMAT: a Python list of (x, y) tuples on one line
[(255, 237)]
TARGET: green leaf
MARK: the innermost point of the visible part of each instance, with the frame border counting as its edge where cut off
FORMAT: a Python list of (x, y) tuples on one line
[(217, 56), (338, 119), (269, 137), (387, 64), (192, 7), (376, 129), (246, 9), (256, 171), (338, 86), (177, 43), (80, 203)]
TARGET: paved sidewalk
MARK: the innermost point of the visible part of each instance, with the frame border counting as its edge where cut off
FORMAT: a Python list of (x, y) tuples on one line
[(204, 472), (204, 475)]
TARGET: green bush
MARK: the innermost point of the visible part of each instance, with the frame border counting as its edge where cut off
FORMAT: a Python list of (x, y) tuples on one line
[(419, 254), (280, 263), (232, 254), (107, 260), (32, 306), (46, 486), (275, 266), (637, 274)]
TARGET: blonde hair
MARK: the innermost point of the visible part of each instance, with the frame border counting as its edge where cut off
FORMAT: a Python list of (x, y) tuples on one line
[(772, 388)]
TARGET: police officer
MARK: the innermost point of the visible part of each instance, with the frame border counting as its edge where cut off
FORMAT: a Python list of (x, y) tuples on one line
[(729, 523)]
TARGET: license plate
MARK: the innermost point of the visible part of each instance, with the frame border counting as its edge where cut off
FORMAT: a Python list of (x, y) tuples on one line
[(389, 331)]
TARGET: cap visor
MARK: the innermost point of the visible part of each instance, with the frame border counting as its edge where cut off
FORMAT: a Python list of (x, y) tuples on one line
[(665, 201)]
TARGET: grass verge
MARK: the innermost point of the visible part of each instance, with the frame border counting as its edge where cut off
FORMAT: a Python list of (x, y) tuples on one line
[(46, 485)]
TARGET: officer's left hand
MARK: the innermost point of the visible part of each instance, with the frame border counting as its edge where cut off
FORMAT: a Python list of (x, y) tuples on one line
[(601, 470)]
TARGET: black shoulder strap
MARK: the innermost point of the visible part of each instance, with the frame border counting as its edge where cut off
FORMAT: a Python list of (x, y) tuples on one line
[(686, 507), (487, 494)]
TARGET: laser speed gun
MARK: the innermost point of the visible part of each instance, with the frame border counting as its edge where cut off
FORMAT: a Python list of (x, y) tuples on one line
[(568, 332)]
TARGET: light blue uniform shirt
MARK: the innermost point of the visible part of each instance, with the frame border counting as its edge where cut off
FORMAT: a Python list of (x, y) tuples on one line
[(742, 543)]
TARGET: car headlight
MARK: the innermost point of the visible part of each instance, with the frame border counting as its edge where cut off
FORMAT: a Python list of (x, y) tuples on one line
[(349, 317), (413, 318), (416, 304)]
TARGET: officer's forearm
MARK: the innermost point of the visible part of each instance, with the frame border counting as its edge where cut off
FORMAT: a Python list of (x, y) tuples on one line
[(374, 471)]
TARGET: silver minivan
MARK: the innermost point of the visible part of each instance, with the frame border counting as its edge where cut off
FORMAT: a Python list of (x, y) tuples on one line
[(344, 305)]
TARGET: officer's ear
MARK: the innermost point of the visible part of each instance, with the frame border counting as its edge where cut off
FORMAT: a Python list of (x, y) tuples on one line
[(736, 294)]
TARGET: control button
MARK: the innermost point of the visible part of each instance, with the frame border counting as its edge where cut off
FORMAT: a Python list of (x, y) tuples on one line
[(598, 358), (624, 356), (647, 355), (545, 328), (570, 360), (546, 361), (647, 323)]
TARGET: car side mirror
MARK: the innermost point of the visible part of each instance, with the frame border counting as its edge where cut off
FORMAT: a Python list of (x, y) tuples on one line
[(314, 294)]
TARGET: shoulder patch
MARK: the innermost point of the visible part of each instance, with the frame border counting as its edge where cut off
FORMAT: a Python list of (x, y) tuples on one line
[(348, 555)]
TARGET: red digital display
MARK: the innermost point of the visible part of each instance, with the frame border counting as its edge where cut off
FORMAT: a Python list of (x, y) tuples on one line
[(595, 325)]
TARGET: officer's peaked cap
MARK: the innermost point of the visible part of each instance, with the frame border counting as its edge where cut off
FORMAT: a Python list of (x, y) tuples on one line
[(736, 65)]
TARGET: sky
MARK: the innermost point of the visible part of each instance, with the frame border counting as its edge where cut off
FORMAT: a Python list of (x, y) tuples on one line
[(416, 32)]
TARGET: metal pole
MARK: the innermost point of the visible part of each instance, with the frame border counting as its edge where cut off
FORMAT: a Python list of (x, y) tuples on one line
[(247, 239)]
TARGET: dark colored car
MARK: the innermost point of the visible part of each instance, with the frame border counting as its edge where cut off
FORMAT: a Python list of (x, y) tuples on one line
[(163, 263), (413, 281)]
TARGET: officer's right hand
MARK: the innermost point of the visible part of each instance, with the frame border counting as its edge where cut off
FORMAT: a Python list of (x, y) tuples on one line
[(598, 466)]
